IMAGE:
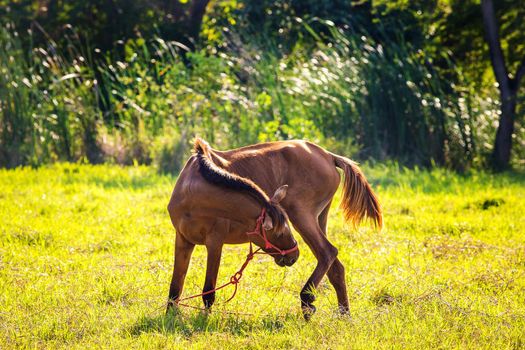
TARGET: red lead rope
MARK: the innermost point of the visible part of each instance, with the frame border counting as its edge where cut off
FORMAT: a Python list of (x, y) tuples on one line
[(235, 278)]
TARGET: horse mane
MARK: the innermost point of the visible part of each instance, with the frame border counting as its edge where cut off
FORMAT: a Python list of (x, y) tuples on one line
[(219, 176)]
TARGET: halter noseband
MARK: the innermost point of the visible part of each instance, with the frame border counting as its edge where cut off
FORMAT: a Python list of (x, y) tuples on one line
[(261, 232)]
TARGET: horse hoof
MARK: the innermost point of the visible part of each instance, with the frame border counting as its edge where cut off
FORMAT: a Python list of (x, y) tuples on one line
[(172, 308), (308, 312), (205, 312), (343, 310)]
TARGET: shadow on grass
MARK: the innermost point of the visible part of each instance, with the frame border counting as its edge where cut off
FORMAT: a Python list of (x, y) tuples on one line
[(189, 323)]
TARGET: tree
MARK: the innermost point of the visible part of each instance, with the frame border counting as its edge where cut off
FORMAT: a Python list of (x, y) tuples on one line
[(508, 87), (197, 11)]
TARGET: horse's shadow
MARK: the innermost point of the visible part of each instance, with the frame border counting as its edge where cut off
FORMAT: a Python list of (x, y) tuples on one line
[(190, 323)]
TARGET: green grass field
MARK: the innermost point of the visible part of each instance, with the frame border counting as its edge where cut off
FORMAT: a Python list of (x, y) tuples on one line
[(86, 258)]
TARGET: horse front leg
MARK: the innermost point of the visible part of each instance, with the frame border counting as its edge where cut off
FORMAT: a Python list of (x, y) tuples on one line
[(183, 251), (214, 249)]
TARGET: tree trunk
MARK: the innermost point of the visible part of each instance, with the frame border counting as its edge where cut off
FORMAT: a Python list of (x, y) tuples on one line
[(508, 88), (198, 9), (503, 142), (91, 148)]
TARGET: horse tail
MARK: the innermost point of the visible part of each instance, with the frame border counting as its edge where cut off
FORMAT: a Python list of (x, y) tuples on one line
[(359, 200), (211, 167)]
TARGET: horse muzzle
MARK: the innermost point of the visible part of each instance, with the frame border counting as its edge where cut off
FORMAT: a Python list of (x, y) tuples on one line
[(286, 260)]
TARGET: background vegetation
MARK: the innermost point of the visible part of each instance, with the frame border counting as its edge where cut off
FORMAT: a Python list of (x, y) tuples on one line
[(134, 82)]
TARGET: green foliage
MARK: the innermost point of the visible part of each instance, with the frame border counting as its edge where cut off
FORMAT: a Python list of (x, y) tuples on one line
[(49, 103), (16, 95), (459, 26), (370, 80), (350, 93), (101, 22), (86, 256)]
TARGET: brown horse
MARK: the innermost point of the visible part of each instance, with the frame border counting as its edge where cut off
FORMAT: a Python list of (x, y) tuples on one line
[(220, 194)]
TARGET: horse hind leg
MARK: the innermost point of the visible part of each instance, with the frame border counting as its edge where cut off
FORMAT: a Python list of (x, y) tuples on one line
[(336, 273)]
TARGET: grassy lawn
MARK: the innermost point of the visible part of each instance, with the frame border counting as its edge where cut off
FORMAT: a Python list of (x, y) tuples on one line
[(86, 258)]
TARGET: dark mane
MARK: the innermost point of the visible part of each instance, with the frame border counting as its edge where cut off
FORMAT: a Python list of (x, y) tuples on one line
[(216, 175)]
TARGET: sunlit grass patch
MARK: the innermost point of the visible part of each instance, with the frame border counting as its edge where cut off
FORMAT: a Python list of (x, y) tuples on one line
[(86, 255)]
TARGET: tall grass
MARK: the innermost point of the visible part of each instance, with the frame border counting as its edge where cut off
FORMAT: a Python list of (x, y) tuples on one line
[(49, 102), (17, 136), (348, 93)]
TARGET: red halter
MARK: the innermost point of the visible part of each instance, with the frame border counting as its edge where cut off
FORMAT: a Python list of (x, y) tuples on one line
[(259, 231)]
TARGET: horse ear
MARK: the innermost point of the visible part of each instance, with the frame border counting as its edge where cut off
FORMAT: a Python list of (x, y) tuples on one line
[(267, 223), (279, 194)]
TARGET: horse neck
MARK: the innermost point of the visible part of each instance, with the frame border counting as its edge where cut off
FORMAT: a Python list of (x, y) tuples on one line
[(229, 204), (248, 211)]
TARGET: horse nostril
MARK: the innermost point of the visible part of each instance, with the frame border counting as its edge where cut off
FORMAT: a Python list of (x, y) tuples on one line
[(292, 260), (280, 261)]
